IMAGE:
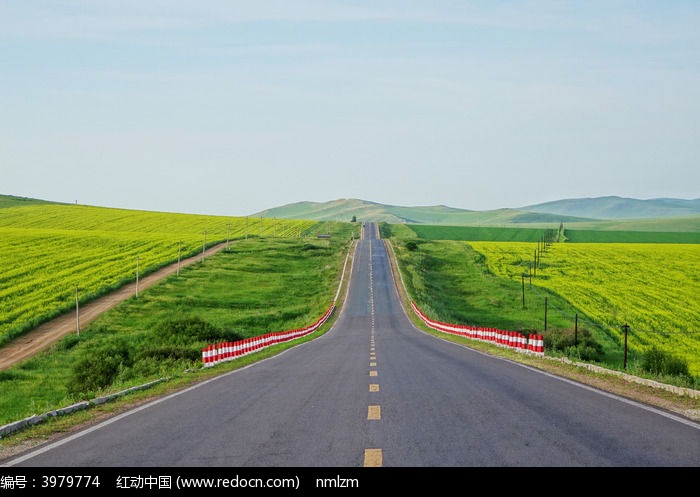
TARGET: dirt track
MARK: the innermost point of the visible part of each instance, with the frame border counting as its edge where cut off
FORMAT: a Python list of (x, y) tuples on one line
[(48, 333)]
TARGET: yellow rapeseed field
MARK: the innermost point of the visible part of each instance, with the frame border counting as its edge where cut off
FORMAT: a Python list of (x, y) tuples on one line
[(47, 250), (654, 288)]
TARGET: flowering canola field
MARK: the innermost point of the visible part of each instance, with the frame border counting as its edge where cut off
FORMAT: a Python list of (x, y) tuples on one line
[(47, 250), (654, 288)]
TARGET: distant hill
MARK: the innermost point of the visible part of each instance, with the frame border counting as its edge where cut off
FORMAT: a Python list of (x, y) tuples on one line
[(14, 201), (362, 210), (602, 213), (618, 207)]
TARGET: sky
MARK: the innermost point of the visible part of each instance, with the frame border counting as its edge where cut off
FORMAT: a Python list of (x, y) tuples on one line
[(233, 107)]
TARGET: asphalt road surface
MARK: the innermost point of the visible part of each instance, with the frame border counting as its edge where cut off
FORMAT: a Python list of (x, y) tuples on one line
[(375, 391)]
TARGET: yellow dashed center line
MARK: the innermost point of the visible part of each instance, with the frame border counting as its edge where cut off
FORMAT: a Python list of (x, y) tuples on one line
[(373, 458)]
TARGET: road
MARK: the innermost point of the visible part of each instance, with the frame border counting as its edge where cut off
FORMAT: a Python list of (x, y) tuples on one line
[(376, 391)]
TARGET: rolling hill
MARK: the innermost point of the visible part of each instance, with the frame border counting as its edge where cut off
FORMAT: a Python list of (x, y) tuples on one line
[(613, 207), (602, 213), (362, 210)]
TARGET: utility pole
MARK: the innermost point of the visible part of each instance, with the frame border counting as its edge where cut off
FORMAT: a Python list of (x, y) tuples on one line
[(204, 245), (77, 311), (228, 229), (534, 265), (625, 327), (523, 285), (137, 275), (179, 251)]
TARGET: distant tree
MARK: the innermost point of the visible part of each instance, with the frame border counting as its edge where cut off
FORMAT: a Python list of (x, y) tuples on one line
[(354, 219)]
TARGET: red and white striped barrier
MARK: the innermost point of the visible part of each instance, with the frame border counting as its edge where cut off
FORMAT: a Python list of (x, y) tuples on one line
[(533, 344), (227, 351), (536, 345)]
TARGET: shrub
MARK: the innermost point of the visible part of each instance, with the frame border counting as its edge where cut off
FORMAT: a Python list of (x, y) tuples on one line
[(98, 370), (659, 362)]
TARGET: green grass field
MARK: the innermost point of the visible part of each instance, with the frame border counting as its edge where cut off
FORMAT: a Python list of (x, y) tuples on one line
[(529, 234), (623, 236), (470, 233)]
